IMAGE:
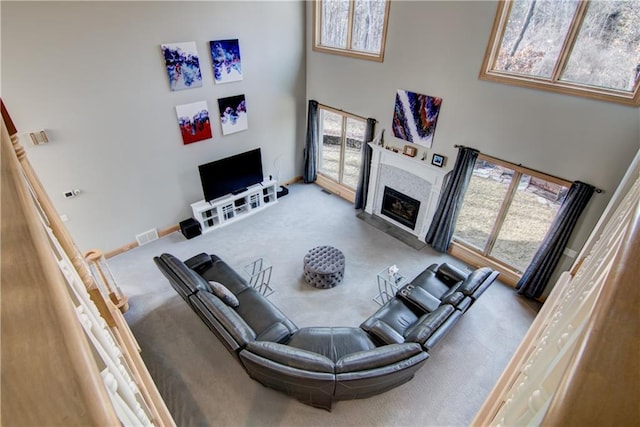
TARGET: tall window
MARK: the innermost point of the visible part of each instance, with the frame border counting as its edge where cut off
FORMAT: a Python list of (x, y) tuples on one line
[(507, 211), (340, 152), (586, 48), (351, 27)]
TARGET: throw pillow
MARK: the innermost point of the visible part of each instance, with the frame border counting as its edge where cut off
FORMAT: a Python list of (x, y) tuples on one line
[(224, 294)]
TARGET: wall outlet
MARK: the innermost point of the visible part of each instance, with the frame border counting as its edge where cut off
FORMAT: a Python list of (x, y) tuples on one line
[(72, 193)]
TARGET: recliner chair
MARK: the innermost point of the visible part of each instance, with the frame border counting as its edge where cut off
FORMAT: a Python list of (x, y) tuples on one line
[(445, 283), (426, 308)]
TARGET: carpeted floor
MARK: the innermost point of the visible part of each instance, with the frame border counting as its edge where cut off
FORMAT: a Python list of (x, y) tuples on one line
[(203, 384)]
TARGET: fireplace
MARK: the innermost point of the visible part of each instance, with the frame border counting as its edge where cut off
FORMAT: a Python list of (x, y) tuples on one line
[(417, 179), (400, 207)]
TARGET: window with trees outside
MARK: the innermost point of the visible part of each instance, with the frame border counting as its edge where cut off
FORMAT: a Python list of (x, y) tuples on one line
[(585, 48), (339, 154), (506, 213), (354, 28)]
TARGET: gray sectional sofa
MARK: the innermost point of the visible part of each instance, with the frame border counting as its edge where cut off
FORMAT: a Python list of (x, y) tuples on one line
[(321, 365)]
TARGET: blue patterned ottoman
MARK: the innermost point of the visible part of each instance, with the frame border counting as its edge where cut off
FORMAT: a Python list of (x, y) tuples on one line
[(324, 267)]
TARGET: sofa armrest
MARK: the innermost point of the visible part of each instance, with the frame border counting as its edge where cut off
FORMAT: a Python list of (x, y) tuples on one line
[(454, 299), (419, 298), (477, 279), (428, 324), (483, 287), (217, 314), (376, 358), (183, 279)]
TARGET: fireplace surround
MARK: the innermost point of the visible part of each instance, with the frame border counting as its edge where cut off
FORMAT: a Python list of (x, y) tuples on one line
[(415, 179)]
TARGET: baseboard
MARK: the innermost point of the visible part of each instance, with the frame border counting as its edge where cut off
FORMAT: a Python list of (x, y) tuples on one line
[(292, 180), (171, 229), (335, 188), (133, 245), (507, 275)]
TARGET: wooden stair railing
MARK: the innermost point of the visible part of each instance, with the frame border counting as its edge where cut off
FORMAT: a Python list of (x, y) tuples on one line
[(68, 356)]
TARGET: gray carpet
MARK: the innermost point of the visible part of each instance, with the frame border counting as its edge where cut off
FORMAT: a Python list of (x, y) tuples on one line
[(202, 383)]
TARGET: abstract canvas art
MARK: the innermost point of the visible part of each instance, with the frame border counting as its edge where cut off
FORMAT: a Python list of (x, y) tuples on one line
[(182, 65), (194, 122), (225, 56), (415, 117), (233, 114)]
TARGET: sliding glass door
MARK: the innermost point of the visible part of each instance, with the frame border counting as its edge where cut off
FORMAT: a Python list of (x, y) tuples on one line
[(340, 152), (507, 211)]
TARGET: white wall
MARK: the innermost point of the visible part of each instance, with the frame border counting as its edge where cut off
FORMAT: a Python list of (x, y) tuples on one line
[(92, 75), (436, 48)]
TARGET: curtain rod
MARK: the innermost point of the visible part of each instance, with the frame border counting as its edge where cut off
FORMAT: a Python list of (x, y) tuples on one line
[(345, 112), (597, 190)]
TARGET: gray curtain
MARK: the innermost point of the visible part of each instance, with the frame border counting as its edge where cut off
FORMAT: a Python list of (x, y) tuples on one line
[(310, 171), (535, 278), (455, 184), (365, 166)]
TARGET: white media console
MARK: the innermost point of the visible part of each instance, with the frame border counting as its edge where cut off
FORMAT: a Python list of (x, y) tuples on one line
[(233, 207)]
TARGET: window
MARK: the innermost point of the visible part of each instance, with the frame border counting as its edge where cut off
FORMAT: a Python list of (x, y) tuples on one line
[(354, 28), (340, 150), (586, 48), (507, 211)]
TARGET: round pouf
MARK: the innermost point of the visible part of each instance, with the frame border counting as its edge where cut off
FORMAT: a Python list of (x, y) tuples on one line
[(324, 267)]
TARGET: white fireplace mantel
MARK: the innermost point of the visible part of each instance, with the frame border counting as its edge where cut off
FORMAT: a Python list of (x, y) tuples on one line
[(425, 178)]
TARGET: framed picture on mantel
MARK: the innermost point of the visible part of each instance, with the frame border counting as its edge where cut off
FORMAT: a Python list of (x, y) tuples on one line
[(409, 151), (438, 160)]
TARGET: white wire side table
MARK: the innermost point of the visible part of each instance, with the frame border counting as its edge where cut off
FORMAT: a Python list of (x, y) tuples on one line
[(259, 272), (388, 285)]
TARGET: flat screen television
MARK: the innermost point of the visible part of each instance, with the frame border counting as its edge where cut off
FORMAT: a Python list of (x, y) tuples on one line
[(231, 175)]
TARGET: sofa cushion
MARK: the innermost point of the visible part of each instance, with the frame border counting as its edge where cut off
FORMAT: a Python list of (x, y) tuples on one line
[(428, 281), (450, 274), (395, 314), (428, 323), (260, 313), (221, 272), (332, 342), (277, 332), (199, 263), (293, 357), (385, 333), (219, 290), (375, 358)]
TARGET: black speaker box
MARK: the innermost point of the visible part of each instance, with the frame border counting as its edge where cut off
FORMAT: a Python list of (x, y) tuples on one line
[(190, 228), (282, 191)]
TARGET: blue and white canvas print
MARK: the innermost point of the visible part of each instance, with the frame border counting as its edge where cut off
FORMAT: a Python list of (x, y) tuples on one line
[(233, 114), (227, 63), (182, 65), (415, 117)]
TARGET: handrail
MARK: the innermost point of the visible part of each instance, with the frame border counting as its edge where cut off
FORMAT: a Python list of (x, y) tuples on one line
[(42, 341), (55, 314), (578, 363)]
